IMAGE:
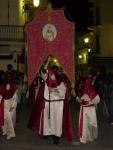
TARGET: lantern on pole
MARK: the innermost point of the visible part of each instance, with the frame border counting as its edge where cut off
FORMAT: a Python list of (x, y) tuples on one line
[(36, 3)]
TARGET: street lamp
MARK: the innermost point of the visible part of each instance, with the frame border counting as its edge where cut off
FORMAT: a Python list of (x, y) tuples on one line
[(36, 3), (89, 50), (80, 56), (86, 40)]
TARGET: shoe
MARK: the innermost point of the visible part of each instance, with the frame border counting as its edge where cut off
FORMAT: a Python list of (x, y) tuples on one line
[(3, 133), (91, 140), (46, 137), (9, 137), (83, 142), (55, 139), (56, 142)]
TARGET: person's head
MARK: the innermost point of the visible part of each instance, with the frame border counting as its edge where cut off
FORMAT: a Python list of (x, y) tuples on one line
[(89, 76), (35, 82), (9, 67), (49, 29), (54, 78), (8, 78), (54, 72), (88, 88), (8, 86), (98, 73), (8, 81)]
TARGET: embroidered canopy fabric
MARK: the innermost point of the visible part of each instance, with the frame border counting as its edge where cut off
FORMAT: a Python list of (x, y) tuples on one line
[(50, 33)]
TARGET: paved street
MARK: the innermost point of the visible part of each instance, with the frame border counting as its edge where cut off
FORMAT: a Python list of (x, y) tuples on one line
[(26, 140)]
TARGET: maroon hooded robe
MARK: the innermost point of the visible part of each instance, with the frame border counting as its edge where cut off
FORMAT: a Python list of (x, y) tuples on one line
[(34, 121), (6, 94), (1, 110)]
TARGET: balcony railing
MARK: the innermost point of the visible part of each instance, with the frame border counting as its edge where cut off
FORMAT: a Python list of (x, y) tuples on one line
[(11, 33)]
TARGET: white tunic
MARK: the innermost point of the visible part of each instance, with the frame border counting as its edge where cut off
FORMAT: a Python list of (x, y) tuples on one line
[(53, 125), (89, 124), (10, 117)]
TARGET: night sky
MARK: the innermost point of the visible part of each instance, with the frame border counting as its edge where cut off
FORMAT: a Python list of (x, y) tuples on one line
[(77, 11)]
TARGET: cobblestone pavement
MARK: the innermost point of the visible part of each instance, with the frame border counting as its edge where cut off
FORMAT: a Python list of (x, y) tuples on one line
[(26, 140)]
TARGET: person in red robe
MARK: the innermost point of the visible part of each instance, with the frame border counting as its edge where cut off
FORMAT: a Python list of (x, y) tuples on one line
[(51, 113), (33, 89), (1, 109), (8, 94), (88, 98)]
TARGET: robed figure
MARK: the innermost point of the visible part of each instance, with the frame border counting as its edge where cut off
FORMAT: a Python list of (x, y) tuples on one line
[(8, 103), (51, 113), (32, 92), (88, 129)]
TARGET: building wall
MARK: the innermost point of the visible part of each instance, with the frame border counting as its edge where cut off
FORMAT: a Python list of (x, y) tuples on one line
[(106, 30), (4, 63), (105, 15), (11, 15), (106, 40), (102, 28), (11, 12)]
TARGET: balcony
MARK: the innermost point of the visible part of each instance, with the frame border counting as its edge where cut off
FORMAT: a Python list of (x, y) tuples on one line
[(12, 33)]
